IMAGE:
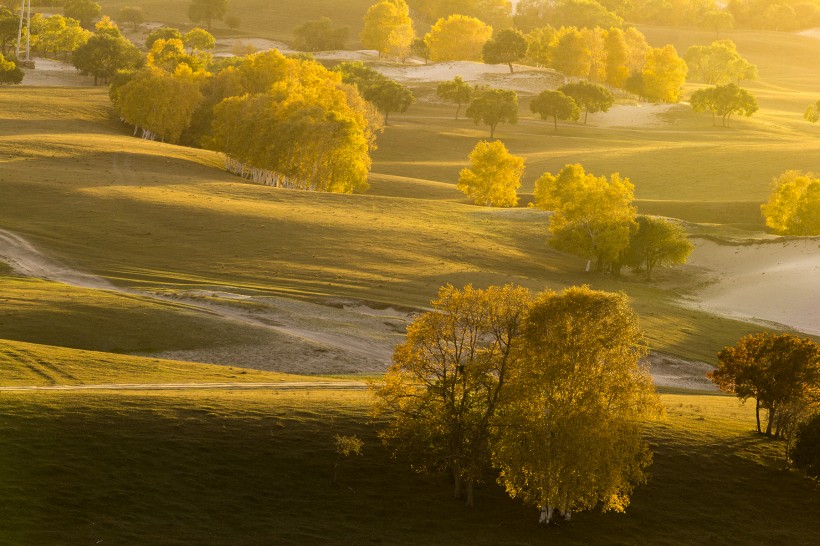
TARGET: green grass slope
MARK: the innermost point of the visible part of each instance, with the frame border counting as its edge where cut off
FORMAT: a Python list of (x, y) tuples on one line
[(28, 364), (256, 468), (150, 215)]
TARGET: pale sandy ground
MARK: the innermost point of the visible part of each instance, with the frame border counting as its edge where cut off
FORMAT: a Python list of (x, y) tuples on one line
[(777, 281), (340, 337), (52, 73)]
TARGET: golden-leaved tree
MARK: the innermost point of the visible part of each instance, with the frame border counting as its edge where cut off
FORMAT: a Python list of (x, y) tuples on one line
[(494, 175), (549, 390), (441, 394), (593, 215), (570, 434), (388, 29), (794, 205), (457, 38), (664, 74)]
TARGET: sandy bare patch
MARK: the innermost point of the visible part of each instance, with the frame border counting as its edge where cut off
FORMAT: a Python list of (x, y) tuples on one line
[(52, 73), (526, 78), (639, 115), (671, 371), (769, 282)]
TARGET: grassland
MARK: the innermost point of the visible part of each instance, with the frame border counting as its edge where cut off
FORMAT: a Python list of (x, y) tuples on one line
[(256, 467)]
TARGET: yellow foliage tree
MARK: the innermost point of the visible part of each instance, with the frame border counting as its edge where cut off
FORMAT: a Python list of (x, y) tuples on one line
[(593, 216), (794, 206), (457, 38), (494, 175), (576, 401), (664, 74), (388, 29)]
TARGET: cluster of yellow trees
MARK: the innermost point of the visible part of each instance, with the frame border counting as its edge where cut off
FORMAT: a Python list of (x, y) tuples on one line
[(794, 206), (593, 216), (544, 392), (279, 121)]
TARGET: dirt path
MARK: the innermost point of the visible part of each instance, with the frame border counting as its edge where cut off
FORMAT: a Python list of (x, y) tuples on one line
[(282, 386)]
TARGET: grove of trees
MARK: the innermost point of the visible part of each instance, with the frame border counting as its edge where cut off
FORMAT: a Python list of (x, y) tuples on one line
[(105, 52), (794, 205), (494, 175), (718, 63), (492, 378)]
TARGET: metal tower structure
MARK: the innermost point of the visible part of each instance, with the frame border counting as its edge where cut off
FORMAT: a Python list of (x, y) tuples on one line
[(25, 13)]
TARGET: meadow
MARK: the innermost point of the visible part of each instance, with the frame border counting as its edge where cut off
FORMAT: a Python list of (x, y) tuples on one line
[(248, 467)]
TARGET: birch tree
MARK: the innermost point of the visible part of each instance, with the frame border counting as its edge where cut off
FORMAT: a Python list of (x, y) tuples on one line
[(570, 432), (388, 28), (457, 38), (593, 216), (494, 175), (442, 392), (793, 207)]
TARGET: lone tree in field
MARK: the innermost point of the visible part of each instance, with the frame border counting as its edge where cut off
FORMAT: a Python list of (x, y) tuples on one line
[(320, 35), (588, 96), (442, 392), (724, 101), (493, 107), (207, 10), (576, 399), (457, 91), (132, 15), (85, 11), (389, 96), (388, 29), (812, 113), (593, 216), (775, 369), (457, 38), (794, 205), (555, 105), (494, 175), (507, 47), (718, 63), (657, 242), (10, 73)]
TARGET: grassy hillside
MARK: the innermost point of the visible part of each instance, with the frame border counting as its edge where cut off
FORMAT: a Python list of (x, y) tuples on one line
[(146, 214), (274, 19), (28, 364), (256, 468)]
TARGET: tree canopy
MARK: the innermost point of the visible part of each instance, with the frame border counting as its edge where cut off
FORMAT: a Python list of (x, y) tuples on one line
[(794, 205), (388, 29), (496, 13), (457, 91), (85, 11), (663, 74), (494, 175), (442, 392), (774, 369), (10, 73), (105, 52), (656, 242), (162, 33), (718, 63), (457, 38), (206, 11), (493, 107), (320, 35), (812, 113), (575, 402), (507, 47), (724, 101), (588, 96), (548, 390), (593, 216), (555, 105)]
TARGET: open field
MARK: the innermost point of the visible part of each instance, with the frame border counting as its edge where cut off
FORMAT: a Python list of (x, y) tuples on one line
[(152, 216), (256, 467)]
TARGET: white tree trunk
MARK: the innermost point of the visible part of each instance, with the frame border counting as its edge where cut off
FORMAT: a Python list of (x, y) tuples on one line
[(546, 515)]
